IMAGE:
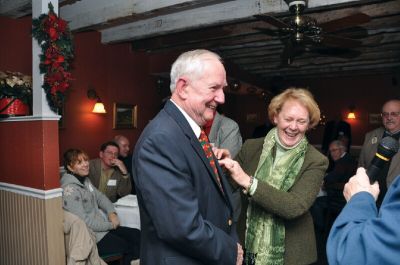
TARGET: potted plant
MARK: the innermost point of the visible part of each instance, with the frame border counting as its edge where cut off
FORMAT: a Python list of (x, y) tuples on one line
[(15, 93)]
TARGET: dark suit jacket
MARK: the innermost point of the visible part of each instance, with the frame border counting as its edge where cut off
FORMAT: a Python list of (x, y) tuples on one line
[(291, 206), (185, 217), (361, 235), (343, 169)]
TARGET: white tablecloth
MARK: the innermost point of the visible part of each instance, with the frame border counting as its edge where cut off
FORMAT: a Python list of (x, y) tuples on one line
[(128, 211)]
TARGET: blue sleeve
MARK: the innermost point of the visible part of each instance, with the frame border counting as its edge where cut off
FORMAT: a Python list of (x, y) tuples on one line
[(362, 236)]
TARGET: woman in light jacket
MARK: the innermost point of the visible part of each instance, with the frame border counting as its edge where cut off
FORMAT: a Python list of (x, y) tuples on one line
[(81, 198)]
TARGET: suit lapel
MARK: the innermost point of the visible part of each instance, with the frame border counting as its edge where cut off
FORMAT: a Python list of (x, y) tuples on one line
[(174, 112)]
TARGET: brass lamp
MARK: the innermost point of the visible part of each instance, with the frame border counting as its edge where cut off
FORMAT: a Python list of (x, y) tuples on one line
[(99, 106), (351, 115)]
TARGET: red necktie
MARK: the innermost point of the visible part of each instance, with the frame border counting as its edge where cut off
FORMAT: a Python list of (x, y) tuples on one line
[(209, 154)]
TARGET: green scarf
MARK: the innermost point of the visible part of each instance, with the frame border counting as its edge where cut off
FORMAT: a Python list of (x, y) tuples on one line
[(265, 235)]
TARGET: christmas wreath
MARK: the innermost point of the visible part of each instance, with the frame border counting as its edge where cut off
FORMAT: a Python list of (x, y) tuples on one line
[(55, 40)]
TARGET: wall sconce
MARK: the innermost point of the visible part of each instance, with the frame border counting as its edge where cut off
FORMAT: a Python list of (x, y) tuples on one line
[(99, 106), (351, 115)]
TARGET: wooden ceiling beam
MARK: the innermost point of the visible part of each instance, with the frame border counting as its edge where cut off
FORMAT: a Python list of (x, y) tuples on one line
[(237, 72), (15, 9), (101, 13), (369, 63), (240, 32), (201, 17), (18, 8)]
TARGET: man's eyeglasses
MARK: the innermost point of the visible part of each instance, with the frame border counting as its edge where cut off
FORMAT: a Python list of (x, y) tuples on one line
[(109, 153), (393, 114)]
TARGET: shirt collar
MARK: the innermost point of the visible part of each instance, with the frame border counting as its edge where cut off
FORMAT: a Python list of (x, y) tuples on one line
[(195, 127), (392, 134)]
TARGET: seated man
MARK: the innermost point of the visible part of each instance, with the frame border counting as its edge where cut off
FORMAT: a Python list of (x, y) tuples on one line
[(344, 167), (331, 201), (125, 156), (109, 174)]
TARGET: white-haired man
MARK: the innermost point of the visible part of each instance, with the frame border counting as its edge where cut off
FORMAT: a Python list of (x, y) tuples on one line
[(185, 202)]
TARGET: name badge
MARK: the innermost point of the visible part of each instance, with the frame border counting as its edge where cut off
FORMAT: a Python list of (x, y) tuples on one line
[(112, 182)]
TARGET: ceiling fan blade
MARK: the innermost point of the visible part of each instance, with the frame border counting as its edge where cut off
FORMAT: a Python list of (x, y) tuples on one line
[(345, 22), (286, 58), (341, 42), (356, 32), (269, 32), (273, 21), (290, 51), (336, 52)]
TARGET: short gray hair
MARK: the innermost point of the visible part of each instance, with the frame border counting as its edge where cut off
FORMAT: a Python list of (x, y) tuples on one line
[(190, 63), (339, 144)]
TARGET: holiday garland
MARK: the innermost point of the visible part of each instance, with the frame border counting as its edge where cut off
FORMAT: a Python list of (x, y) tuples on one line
[(55, 40)]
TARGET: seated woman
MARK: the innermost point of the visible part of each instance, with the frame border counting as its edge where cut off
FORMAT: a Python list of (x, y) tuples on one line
[(81, 198)]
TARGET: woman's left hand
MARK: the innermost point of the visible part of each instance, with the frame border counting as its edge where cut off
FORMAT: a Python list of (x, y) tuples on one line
[(236, 172), (113, 218)]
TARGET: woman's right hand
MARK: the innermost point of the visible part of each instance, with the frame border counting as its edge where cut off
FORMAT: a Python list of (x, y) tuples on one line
[(236, 172), (221, 153)]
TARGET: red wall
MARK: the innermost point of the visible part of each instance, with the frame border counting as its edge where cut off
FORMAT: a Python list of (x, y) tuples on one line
[(118, 75), (16, 45), (334, 96), (29, 154), (121, 75), (114, 71), (367, 93)]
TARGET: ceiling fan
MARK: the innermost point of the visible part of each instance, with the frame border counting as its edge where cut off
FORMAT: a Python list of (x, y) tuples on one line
[(301, 33)]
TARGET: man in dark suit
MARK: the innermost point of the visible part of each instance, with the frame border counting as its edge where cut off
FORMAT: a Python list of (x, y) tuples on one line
[(125, 156), (185, 203)]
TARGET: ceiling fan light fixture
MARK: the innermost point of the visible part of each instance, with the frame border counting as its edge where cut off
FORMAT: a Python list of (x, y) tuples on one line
[(296, 6), (301, 33)]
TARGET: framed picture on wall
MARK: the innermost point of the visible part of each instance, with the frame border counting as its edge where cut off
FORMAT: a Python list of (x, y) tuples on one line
[(375, 118), (124, 116)]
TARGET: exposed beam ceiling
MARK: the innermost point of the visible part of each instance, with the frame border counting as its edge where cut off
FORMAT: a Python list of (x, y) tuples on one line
[(230, 28)]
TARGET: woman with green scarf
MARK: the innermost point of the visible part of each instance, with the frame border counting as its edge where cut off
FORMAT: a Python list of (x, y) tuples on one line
[(281, 175)]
